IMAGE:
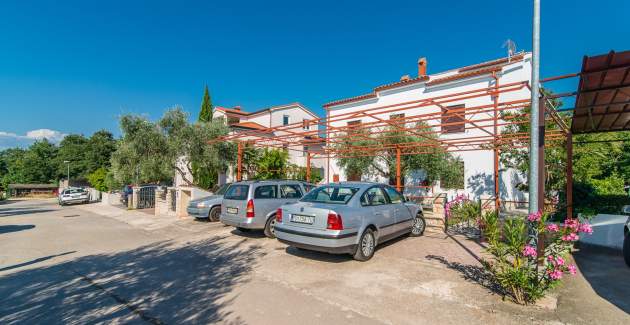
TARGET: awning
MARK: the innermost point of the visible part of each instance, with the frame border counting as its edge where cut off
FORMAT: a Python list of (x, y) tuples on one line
[(603, 97)]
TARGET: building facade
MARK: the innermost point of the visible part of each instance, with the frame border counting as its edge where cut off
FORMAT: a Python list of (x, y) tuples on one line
[(478, 165)]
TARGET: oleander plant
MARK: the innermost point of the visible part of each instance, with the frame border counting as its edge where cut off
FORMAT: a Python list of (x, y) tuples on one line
[(530, 256)]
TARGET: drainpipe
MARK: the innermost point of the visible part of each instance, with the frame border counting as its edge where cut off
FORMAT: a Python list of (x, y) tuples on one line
[(534, 111)]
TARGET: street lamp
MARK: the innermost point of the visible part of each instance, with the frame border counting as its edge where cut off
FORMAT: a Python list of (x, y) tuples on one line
[(68, 179)]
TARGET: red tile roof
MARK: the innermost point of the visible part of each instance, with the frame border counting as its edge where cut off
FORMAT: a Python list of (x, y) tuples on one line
[(464, 72), (231, 110), (250, 125), (463, 75)]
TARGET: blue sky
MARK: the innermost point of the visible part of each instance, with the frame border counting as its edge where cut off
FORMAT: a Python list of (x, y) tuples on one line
[(75, 66)]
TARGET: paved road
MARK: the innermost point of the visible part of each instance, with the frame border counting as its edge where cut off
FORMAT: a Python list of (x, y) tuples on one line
[(71, 265)]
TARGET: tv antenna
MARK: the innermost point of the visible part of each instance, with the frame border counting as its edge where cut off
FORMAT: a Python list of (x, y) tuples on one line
[(511, 47)]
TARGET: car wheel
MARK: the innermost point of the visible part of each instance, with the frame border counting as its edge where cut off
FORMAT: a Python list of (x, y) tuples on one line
[(270, 227), (241, 229), (418, 226), (626, 249), (214, 214), (367, 244)]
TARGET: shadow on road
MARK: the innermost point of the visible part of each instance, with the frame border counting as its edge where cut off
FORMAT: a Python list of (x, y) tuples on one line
[(473, 273), (160, 283), (606, 272), (14, 228), (37, 260), (21, 211)]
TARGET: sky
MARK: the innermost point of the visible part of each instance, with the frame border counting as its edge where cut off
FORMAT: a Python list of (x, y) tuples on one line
[(76, 66)]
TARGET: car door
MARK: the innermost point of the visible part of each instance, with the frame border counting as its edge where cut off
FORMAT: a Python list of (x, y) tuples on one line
[(382, 215), (404, 219), (265, 200)]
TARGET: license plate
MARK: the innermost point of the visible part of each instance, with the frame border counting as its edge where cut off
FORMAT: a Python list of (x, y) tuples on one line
[(302, 219), (232, 210)]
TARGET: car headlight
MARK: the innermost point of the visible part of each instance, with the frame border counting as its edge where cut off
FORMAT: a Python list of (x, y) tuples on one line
[(201, 205)]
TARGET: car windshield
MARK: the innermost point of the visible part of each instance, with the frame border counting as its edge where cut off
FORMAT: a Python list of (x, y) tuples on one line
[(331, 194), (222, 189), (236, 192), (74, 191)]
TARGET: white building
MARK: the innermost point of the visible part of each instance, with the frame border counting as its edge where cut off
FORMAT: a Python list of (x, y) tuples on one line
[(260, 122), (479, 164)]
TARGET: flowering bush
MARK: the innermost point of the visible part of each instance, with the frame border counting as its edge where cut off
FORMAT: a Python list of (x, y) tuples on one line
[(525, 272), (461, 209)]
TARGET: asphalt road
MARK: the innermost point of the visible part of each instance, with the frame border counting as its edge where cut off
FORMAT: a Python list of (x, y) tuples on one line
[(70, 265)]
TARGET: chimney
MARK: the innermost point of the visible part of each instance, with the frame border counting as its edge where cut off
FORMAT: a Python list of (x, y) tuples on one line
[(405, 78), (422, 67), (237, 108)]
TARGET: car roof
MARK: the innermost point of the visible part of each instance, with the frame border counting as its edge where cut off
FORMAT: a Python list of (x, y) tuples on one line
[(248, 182)]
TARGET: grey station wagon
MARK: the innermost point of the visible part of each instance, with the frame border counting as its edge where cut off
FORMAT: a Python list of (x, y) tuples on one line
[(208, 207), (253, 204), (349, 217)]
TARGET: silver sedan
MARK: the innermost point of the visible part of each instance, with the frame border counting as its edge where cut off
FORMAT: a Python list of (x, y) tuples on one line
[(349, 217)]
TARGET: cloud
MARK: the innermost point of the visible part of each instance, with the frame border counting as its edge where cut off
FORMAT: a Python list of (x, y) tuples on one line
[(10, 139)]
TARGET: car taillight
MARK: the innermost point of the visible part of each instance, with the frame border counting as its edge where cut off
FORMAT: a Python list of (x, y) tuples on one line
[(279, 215), (250, 209), (334, 221)]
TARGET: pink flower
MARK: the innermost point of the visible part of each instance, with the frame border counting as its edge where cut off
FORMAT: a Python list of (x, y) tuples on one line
[(572, 269), (585, 228), (550, 258), (532, 217), (559, 260), (552, 227), (571, 237), (572, 224), (529, 251), (555, 274)]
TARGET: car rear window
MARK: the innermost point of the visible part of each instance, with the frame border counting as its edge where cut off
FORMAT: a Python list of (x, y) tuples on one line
[(236, 192), (74, 191), (266, 192), (331, 194)]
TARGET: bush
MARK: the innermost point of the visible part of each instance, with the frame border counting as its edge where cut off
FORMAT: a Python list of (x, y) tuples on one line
[(516, 265), (97, 179), (462, 210)]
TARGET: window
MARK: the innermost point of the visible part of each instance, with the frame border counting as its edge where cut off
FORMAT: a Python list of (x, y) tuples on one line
[(454, 117), (285, 119), (266, 192), (394, 196), (354, 123), (306, 125), (233, 120), (290, 191), (308, 187), (330, 194), (237, 192), (305, 150), (374, 196), (397, 116)]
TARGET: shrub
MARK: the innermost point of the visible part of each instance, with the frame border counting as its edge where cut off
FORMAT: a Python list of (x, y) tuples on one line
[(461, 210), (517, 265)]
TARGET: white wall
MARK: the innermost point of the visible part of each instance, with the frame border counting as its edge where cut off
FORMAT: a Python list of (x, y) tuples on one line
[(478, 165)]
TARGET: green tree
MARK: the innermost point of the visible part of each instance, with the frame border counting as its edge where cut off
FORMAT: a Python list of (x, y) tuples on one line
[(12, 167), (379, 154), (99, 149), (153, 152), (39, 166), (72, 148), (205, 113), (97, 179), (273, 164)]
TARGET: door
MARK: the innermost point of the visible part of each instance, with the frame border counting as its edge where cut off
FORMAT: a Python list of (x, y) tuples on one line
[(265, 200), (404, 219), (382, 213)]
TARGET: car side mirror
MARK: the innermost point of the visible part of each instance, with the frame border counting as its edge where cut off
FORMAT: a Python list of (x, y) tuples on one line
[(625, 209)]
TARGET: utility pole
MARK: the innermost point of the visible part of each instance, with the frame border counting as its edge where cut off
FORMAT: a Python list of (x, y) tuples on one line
[(534, 112), (67, 162)]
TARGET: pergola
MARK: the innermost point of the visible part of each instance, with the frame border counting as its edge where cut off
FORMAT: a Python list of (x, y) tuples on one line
[(602, 104)]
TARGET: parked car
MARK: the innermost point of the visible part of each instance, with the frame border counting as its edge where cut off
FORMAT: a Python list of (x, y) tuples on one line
[(626, 236), (349, 217), (73, 195), (253, 204), (208, 207)]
